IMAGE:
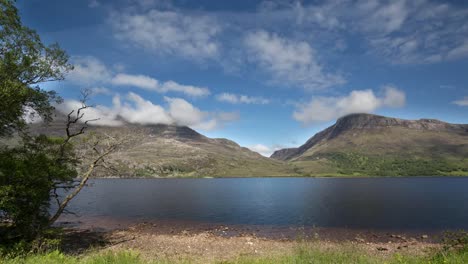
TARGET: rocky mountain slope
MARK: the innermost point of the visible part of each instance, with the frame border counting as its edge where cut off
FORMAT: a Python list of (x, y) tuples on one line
[(357, 144), (176, 151), (364, 144)]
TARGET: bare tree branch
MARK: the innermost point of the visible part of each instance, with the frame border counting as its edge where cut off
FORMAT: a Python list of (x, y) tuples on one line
[(83, 182), (111, 144)]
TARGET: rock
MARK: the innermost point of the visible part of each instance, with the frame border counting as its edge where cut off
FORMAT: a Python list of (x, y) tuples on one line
[(284, 154), (424, 236), (360, 240), (402, 246)]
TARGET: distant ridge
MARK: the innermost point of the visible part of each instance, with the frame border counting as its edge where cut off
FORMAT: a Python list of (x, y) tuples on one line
[(176, 151), (382, 139), (357, 144)]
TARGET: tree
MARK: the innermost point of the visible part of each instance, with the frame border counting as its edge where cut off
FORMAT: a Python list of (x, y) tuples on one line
[(27, 169), (101, 146), (27, 175), (25, 62), (33, 174), (38, 167)]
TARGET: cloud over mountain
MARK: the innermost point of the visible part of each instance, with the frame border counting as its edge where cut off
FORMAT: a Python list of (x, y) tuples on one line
[(135, 109), (321, 109)]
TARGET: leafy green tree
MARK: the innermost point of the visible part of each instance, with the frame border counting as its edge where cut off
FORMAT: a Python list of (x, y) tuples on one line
[(25, 62), (38, 167), (27, 176), (31, 171)]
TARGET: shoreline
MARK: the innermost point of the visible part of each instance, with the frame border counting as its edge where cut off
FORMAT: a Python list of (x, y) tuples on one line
[(210, 243), (269, 232), (280, 177)]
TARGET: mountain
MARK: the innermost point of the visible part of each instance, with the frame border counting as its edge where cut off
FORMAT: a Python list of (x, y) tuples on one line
[(365, 144), (169, 151), (357, 144)]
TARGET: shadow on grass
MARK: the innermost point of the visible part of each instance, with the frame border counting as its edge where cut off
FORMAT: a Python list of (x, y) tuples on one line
[(76, 242)]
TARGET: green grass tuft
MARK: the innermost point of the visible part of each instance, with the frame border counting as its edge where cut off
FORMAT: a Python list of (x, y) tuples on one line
[(123, 257)]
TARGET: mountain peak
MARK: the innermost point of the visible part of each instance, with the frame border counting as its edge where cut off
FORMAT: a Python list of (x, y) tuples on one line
[(368, 122), (363, 121), (174, 131)]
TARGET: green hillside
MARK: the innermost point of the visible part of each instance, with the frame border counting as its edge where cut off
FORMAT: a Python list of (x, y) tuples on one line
[(357, 145), (175, 151), (370, 145)]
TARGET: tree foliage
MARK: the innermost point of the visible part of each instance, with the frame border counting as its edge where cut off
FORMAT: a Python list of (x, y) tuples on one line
[(25, 62), (31, 170), (37, 168), (27, 176)]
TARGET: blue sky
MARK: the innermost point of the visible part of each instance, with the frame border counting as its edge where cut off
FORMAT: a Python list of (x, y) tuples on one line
[(266, 74)]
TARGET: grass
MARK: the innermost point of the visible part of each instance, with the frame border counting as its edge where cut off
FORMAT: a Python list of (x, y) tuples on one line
[(357, 164), (124, 257), (303, 254), (453, 249), (348, 257)]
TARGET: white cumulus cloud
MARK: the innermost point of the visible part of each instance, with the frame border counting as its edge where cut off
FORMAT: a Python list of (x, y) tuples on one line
[(461, 102), (135, 109), (103, 115), (89, 70), (184, 112), (265, 150), (393, 97), (148, 83), (398, 31), (321, 109), (141, 111), (289, 61), (241, 99), (100, 90), (262, 149), (169, 32)]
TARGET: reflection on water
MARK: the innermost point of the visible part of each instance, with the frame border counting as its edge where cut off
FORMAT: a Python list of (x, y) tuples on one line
[(378, 203)]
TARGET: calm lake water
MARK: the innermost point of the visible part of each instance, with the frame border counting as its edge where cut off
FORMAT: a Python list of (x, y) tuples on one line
[(377, 203)]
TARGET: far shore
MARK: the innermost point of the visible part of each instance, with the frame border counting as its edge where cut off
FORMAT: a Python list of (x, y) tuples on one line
[(285, 176)]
